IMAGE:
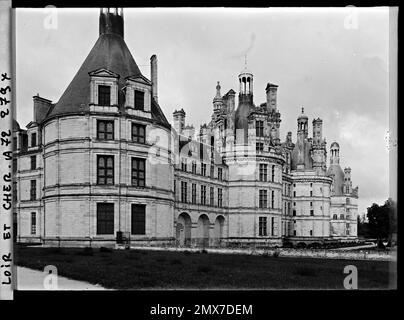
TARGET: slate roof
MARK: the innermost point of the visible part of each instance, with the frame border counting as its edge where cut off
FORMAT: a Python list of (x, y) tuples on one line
[(109, 52)]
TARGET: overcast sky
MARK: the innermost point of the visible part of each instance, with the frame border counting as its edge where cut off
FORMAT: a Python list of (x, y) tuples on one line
[(334, 63)]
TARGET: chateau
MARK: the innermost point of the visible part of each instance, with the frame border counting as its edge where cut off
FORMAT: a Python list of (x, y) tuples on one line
[(104, 163)]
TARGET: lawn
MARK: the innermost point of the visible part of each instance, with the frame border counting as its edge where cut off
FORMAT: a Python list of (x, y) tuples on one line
[(142, 269)]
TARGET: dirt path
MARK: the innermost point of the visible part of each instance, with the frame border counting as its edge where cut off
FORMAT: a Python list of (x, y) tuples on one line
[(29, 279)]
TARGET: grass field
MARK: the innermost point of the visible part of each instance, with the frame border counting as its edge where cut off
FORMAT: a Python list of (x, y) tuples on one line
[(141, 269)]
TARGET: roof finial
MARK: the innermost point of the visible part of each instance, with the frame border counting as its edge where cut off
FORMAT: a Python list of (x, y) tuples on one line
[(245, 61), (302, 110)]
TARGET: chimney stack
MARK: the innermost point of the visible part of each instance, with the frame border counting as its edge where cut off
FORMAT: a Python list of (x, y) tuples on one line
[(271, 91), (41, 108), (153, 75)]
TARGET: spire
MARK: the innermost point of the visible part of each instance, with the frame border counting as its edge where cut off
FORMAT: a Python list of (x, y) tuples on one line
[(217, 100), (111, 21), (218, 94)]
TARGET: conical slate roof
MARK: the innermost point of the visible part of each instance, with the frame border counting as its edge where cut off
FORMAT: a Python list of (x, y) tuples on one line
[(335, 171), (109, 52)]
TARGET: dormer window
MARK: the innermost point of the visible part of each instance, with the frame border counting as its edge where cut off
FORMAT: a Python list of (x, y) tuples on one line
[(138, 96), (33, 139), (104, 90), (139, 100), (104, 95)]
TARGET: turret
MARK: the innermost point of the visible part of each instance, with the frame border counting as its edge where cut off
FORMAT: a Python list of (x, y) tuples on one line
[(217, 100), (302, 125), (334, 150), (111, 21)]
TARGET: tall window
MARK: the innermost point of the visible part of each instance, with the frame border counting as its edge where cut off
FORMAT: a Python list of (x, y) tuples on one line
[(212, 196), (33, 139), (311, 193), (273, 226), (193, 191), (219, 197), (263, 198), (175, 190), (105, 130), (194, 167), (33, 190), (138, 133), (138, 172), (259, 128), (105, 218), (203, 195), (288, 207), (184, 165), (138, 219), (273, 174), (212, 171), (220, 174), (262, 226), (312, 212), (259, 147), (263, 172), (203, 169), (294, 212), (273, 199), (14, 165), (104, 95), (139, 100), (33, 162), (105, 170), (184, 191), (33, 223)]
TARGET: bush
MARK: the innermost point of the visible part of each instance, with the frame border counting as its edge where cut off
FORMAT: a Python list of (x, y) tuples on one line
[(105, 249), (301, 245), (287, 244)]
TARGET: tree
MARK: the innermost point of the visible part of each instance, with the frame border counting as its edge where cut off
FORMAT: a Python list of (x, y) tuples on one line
[(382, 220)]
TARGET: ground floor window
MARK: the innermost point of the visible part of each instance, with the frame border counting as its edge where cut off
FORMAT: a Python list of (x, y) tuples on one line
[(105, 218), (138, 219), (262, 230)]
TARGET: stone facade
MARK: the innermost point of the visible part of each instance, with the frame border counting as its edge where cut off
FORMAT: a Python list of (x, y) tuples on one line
[(104, 163)]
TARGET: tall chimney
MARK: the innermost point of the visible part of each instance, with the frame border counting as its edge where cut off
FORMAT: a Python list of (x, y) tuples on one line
[(41, 108), (153, 75)]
